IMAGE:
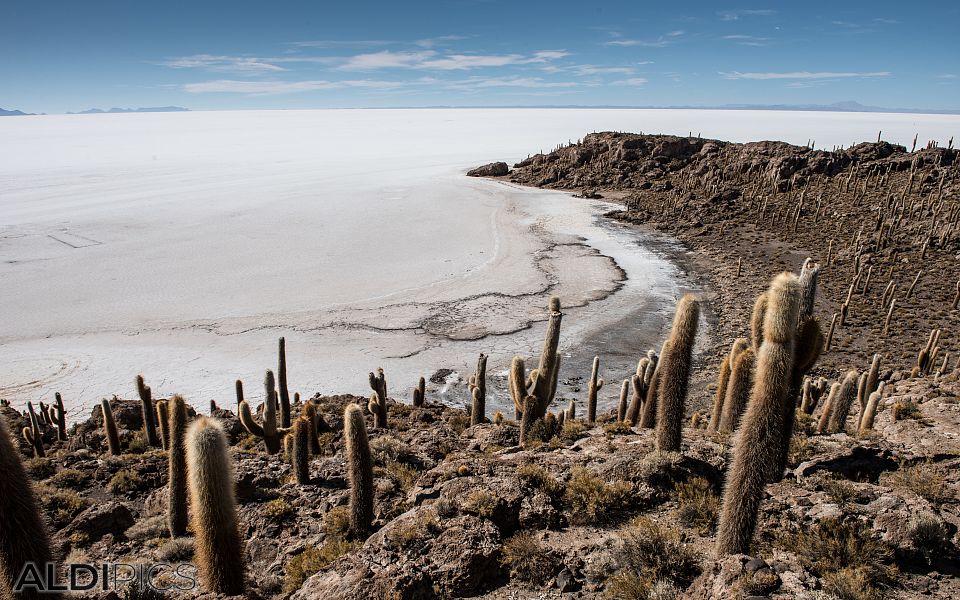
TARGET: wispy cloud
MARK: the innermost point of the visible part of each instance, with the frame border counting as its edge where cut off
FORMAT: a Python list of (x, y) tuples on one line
[(632, 81), (747, 40), (234, 64), (947, 76), (521, 82), (857, 28), (660, 42), (430, 60), (736, 15), (341, 43), (439, 40), (265, 88), (803, 75), (588, 70)]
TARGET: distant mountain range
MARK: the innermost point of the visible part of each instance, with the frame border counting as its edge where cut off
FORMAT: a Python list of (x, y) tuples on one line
[(13, 113), (98, 111)]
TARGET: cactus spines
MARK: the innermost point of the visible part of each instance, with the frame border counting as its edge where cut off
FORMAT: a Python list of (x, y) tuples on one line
[(862, 393), (478, 391), (59, 416), (593, 386), (756, 320), (163, 417), (545, 385), (636, 400), (873, 375), (268, 429), (359, 472), (808, 285), (176, 468), (497, 418), (146, 408), (23, 536), (870, 412), (378, 383), (217, 545), (282, 383), (622, 404), (675, 374), (110, 428), (723, 381), (300, 452), (827, 410), (572, 410), (420, 393), (759, 436), (648, 412), (309, 413)]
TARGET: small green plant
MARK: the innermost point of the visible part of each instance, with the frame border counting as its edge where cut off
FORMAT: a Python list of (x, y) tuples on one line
[(617, 428), (312, 560), (124, 482), (70, 478), (277, 510), (699, 504), (61, 506), (336, 523), (40, 467), (79, 539), (592, 500), (652, 553), (480, 503), (527, 559), (539, 478)]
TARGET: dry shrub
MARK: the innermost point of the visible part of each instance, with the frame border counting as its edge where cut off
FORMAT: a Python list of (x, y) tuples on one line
[(480, 503), (527, 559), (539, 478), (591, 500), (699, 505), (124, 482), (312, 560), (336, 523), (277, 510), (923, 480), (70, 478)]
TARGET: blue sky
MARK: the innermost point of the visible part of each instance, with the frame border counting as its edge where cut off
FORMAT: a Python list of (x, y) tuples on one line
[(68, 55)]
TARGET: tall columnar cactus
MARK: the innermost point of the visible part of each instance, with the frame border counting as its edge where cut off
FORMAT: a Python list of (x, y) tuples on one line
[(870, 412), (146, 409), (59, 416), (300, 452), (758, 438), (478, 392), (310, 413), (420, 393), (723, 382), (542, 381), (572, 410), (593, 386), (640, 383), (862, 394), (873, 375), (110, 428), (163, 417), (239, 388), (809, 274), (843, 402), (359, 471), (624, 393), (177, 468), (282, 383), (518, 384), (378, 383), (218, 548), (528, 418), (23, 536), (269, 431), (675, 374)]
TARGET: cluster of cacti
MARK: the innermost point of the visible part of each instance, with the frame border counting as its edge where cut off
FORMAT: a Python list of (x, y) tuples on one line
[(33, 434), (812, 391), (759, 438), (542, 381), (176, 468), (282, 383), (146, 409), (378, 401), (23, 536), (218, 548), (268, 429), (738, 390), (59, 416), (840, 404), (870, 411), (674, 374), (477, 385), (110, 428), (420, 393), (641, 382), (359, 471), (723, 382), (928, 355), (594, 385)]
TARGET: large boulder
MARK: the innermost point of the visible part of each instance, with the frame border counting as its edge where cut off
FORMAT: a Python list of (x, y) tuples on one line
[(494, 169)]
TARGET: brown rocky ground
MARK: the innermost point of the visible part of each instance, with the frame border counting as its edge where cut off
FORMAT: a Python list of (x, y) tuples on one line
[(596, 512)]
